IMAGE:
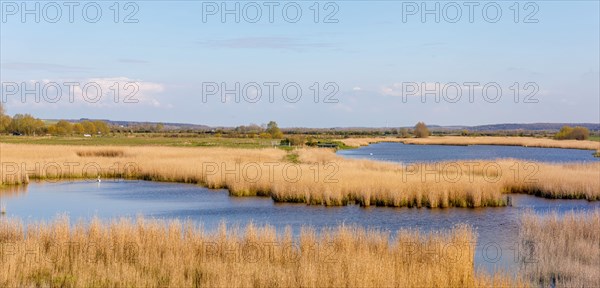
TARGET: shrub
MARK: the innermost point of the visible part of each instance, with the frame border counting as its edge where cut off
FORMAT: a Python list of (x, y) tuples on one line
[(404, 133), (421, 130), (296, 140), (577, 133)]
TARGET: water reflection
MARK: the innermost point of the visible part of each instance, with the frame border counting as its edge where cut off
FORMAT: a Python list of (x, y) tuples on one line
[(12, 191)]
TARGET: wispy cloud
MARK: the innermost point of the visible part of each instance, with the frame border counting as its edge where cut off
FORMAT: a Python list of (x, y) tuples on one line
[(273, 42), (140, 91)]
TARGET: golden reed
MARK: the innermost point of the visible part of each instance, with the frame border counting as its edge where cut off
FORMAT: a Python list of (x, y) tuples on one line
[(480, 140), (564, 249), (317, 176), (150, 253)]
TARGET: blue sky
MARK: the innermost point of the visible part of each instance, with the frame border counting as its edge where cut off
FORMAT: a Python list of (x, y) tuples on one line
[(370, 57)]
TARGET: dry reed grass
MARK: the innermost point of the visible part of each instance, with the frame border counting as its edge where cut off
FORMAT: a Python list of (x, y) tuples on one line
[(320, 177), (149, 253), (561, 251), (480, 140), (100, 153)]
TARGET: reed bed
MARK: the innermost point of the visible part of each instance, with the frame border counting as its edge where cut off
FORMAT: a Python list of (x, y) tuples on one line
[(151, 253), (315, 177), (480, 140), (561, 250), (100, 153)]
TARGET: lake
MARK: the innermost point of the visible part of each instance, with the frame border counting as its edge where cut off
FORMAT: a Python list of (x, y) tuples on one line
[(406, 153)]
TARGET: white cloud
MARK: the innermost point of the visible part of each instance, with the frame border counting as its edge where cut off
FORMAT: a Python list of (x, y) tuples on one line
[(95, 92)]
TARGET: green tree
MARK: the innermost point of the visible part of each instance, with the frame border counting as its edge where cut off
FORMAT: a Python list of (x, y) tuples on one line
[(274, 130), (564, 133), (101, 127), (421, 130), (78, 128), (52, 130), (63, 128), (4, 120), (4, 123), (26, 124), (88, 127)]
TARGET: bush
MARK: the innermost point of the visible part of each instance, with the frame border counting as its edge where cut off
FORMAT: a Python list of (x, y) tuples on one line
[(577, 133), (404, 133), (421, 130), (274, 130), (296, 140)]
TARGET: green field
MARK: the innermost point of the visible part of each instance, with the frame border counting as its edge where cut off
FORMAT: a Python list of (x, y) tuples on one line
[(141, 140), (151, 139)]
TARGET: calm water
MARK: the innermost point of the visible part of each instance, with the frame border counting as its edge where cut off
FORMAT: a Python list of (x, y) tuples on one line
[(115, 198), (398, 152)]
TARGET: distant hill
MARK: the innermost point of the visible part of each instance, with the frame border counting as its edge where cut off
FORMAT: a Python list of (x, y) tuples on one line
[(550, 127)]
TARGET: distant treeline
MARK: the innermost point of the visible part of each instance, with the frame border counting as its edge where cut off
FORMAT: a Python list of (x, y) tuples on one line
[(25, 124)]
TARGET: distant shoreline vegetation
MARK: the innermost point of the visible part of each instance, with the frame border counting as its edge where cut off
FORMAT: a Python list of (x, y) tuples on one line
[(26, 124)]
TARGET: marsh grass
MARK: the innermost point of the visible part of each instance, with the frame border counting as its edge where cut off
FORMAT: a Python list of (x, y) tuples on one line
[(312, 176), (150, 253), (561, 250), (480, 140), (100, 153)]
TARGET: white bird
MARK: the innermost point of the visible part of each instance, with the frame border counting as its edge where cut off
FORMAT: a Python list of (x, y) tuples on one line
[(370, 153), (99, 179)]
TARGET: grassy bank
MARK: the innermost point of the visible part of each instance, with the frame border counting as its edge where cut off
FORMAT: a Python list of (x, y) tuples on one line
[(562, 251), (480, 140), (146, 253), (312, 176), (595, 138), (141, 140)]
